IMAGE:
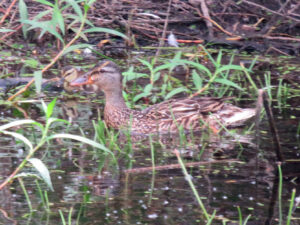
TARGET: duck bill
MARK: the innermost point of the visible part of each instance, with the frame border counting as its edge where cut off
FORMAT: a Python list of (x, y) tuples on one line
[(81, 81)]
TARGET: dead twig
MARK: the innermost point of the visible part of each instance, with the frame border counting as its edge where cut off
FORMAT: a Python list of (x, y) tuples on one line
[(177, 166), (161, 42), (7, 11), (205, 12), (269, 10)]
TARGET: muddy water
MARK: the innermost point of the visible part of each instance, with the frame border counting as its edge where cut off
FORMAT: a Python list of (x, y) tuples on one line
[(236, 169)]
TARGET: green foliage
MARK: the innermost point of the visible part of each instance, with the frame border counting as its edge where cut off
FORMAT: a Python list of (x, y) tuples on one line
[(43, 171), (60, 12), (46, 136), (38, 77), (23, 16), (202, 77), (6, 30)]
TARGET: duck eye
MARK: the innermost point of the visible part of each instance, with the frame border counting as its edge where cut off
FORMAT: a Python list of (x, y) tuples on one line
[(103, 70)]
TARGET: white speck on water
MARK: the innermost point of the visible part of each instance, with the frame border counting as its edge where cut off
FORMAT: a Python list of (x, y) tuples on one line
[(152, 216)]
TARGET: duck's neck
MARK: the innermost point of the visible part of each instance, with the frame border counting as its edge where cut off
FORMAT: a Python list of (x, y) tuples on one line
[(116, 113), (114, 99)]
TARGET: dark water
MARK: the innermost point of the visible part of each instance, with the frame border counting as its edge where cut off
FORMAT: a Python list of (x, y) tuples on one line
[(235, 169), (232, 172)]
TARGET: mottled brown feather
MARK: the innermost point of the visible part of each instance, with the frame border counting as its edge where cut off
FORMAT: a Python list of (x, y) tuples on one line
[(167, 116)]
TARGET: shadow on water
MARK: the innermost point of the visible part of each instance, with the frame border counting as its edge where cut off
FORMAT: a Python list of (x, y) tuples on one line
[(229, 171)]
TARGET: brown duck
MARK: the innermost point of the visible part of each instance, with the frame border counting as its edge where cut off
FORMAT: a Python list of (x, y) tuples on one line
[(168, 116)]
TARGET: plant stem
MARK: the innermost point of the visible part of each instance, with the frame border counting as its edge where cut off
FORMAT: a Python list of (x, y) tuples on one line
[(31, 153), (55, 58)]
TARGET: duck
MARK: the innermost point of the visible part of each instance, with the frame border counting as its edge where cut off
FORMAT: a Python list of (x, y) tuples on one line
[(189, 114), (68, 74)]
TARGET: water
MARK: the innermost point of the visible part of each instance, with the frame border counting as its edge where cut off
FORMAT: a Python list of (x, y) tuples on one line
[(229, 171)]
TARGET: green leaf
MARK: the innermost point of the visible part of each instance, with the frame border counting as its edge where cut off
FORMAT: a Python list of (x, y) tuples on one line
[(156, 76), (44, 106), (23, 16), (16, 123), (197, 80), (82, 35), (86, 8), (76, 8), (21, 137), (176, 91), (196, 65), (43, 171), (106, 30), (228, 82), (74, 47), (42, 14), (57, 18), (33, 63), (131, 75), (83, 140), (46, 26), (45, 2), (6, 30), (38, 78), (146, 63), (50, 108), (163, 67), (139, 96), (219, 58), (177, 56), (148, 88), (91, 2), (229, 67)]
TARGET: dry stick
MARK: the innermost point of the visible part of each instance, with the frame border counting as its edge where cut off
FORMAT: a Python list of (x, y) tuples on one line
[(205, 12), (281, 38), (273, 129), (215, 23), (277, 50), (177, 166), (8, 11), (53, 61), (161, 42), (269, 10)]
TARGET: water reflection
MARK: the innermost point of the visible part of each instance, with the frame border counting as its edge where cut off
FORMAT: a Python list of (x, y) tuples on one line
[(228, 170)]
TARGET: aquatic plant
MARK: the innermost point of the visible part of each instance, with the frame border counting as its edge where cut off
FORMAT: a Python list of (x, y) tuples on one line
[(46, 136)]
